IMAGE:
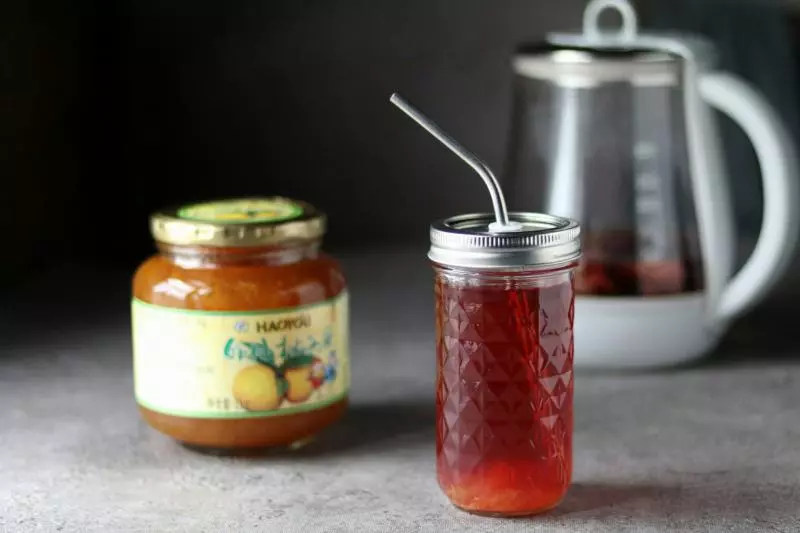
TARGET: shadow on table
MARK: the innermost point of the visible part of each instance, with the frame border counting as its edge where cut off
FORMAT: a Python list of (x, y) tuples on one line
[(596, 498), (373, 426), (674, 503)]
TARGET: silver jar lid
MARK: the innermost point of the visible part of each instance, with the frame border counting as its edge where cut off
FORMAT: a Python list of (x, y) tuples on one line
[(543, 241)]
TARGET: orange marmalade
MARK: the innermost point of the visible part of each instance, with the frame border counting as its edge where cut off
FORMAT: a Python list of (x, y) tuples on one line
[(240, 326)]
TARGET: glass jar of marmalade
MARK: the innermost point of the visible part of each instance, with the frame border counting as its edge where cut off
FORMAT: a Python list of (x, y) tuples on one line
[(504, 343), (240, 326)]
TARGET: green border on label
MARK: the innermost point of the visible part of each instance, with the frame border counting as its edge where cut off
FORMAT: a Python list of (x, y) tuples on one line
[(248, 414), (282, 310)]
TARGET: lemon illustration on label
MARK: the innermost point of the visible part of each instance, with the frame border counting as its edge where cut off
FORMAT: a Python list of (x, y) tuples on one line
[(258, 388), (300, 387), (299, 372)]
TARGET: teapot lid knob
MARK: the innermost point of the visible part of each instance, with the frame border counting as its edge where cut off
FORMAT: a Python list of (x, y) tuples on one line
[(591, 20), (691, 48)]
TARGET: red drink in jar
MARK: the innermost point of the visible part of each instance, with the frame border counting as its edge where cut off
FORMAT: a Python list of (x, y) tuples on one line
[(504, 321)]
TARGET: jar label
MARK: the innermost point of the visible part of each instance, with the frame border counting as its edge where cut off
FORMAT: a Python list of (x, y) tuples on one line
[(206, 364), (245, 211)]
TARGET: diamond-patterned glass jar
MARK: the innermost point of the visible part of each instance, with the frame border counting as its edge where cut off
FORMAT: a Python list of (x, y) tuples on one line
[(504, 363)]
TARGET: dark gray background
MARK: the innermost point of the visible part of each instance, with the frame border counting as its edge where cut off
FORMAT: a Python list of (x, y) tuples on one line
[(114, 109)]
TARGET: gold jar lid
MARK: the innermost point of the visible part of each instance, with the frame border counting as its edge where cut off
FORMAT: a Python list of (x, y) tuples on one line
[(238, 222)]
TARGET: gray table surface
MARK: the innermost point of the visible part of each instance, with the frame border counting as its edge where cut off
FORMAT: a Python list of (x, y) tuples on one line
[(712, 447)]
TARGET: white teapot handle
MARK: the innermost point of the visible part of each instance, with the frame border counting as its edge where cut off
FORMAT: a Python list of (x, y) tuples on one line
[(777, 158)]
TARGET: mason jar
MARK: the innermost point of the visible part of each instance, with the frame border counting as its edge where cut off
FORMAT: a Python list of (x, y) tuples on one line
[(504, 345)]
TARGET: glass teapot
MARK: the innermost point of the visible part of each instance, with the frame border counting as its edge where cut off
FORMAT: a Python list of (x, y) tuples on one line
[(616, 130)]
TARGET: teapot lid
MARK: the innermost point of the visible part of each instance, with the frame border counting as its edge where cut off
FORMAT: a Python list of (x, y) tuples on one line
[(616, 53), (584, 66)]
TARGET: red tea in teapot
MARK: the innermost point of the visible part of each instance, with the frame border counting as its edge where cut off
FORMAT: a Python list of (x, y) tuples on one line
[(613, 266)]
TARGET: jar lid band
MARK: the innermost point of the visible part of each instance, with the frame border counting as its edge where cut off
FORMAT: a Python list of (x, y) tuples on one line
[(467, 241), (238, 222)]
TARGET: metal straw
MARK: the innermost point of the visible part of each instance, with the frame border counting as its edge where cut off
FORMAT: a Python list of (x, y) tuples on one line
[(498, 201)]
